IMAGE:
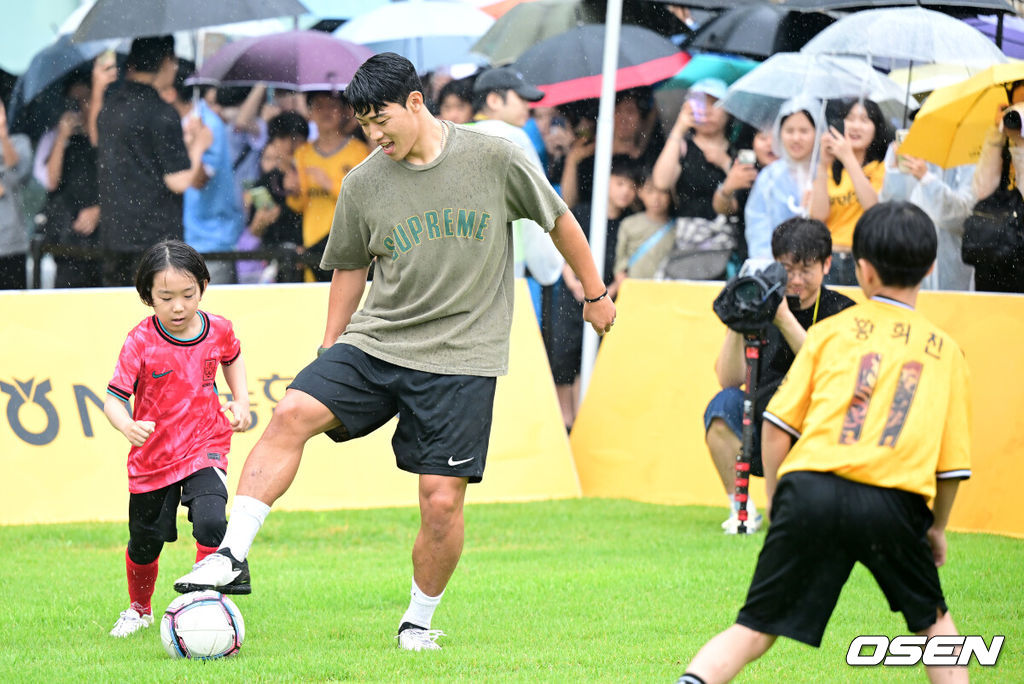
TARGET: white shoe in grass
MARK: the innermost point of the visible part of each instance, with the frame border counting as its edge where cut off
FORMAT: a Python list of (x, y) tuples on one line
[(130, 622), (732, 525), (416, 639)]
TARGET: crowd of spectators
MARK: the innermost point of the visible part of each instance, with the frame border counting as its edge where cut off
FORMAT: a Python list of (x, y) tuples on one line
[(140, 156)]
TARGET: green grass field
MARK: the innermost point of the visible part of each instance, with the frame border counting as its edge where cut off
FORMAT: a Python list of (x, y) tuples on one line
[(563, 591)]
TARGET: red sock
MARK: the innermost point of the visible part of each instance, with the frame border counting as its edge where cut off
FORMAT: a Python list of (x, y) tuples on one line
[(203, 551), (141, 583)]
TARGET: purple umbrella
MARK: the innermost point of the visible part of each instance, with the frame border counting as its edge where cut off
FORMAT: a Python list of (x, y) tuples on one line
[(1013, 32), (293, 60)]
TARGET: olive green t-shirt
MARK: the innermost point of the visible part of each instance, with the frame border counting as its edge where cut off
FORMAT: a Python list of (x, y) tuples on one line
[(441, 296)]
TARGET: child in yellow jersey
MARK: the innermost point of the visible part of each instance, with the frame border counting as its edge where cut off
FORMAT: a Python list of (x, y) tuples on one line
[(871, 422), (322, 165)]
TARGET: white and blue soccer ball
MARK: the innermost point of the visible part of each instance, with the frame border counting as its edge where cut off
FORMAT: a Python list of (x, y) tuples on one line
[(202, 625)]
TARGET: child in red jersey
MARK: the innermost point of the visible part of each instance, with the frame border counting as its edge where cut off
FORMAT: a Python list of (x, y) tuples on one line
[(180, 433)]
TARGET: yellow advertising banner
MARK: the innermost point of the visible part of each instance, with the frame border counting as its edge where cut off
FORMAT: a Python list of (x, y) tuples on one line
[(62, 461), (640, 431)]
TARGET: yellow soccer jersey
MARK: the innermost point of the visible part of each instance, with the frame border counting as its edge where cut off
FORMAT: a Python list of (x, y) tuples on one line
[(878, 395), (314, 202)]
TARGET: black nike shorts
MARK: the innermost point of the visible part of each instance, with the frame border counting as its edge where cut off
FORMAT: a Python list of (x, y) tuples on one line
[(153, 515), (821, 525), (444, 421)]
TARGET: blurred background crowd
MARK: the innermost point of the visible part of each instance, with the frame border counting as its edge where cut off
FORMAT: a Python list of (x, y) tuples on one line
[(225, 124)]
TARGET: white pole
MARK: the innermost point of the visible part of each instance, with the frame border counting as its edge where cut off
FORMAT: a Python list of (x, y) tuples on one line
[(602, 171)]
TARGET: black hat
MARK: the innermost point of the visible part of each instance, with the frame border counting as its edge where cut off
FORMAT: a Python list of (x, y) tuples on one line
[(507, 78)]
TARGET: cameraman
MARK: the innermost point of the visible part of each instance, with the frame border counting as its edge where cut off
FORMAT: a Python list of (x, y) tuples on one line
[(804, 247), (1001, 277)]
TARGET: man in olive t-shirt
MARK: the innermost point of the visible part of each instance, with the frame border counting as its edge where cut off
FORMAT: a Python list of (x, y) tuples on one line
[(433, 205)]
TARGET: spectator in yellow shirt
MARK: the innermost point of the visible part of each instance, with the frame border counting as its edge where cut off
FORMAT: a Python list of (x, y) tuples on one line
[(322, 165), (850, 173)]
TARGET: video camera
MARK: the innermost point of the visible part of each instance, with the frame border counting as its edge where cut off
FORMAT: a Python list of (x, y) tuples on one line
[(1012, 117), (748, 302)]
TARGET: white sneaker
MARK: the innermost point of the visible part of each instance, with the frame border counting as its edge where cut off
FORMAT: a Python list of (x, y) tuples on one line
[(220, 572), (732, 525), (416, 639), (130, 622)]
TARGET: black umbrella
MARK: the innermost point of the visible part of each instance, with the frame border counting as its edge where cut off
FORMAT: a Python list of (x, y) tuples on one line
[(567, 67), (966, 7), (757, 30), (134, 18), (38, 96)]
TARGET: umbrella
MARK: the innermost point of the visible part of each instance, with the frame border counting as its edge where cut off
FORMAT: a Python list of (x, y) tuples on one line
[(757, 31), (1013, 32), (428, 34), (923, 79), (28, 28), (726, 68), (529, 23), (856, 5), (950, 127), (295, 60), (756, 97), (341, 9), (906, 34), (710, 4), (38, 98), (567, 67), (128, 18)]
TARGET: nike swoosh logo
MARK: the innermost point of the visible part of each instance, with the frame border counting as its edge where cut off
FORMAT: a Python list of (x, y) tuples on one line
[(160, 375), (455, 463)]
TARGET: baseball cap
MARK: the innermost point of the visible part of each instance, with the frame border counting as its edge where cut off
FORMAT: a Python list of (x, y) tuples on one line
[(715, 87), (507, 78)]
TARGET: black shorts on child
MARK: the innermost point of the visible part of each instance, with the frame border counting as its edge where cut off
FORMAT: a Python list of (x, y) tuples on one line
[(153, 515), (444, 421), (821, 525)]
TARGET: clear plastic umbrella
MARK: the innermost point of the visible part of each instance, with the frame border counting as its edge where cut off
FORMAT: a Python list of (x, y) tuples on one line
[(756, 97), (892, 37)]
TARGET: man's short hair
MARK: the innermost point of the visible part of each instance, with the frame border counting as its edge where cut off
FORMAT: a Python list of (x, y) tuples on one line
[(383, 78), (899, 240), (288, 125), (807, 240), (148, 53)]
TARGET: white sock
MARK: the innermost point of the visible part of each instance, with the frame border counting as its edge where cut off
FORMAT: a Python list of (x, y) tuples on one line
[(751, 508), (421, 607), (247, 516)]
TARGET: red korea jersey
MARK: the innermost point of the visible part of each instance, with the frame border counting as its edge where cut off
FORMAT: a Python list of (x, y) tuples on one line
[(173, 384)]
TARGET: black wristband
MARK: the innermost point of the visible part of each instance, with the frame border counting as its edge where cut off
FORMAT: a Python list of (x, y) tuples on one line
[(596, 299)]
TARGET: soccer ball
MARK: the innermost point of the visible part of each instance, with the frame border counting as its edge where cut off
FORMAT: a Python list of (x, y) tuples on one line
[(202, 625)]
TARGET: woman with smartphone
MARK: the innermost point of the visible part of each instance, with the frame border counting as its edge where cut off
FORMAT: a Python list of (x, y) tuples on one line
[(850, 173)]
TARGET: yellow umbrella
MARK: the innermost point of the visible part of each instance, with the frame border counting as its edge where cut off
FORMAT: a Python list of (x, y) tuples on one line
[(950, 127)]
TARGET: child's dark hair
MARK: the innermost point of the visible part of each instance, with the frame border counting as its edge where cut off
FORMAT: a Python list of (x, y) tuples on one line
[(169, 254), (381, 79), (625, 167), (288, 125), (461, 88), (899, 240), (884, 133), (807, 240), (647, 176)]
